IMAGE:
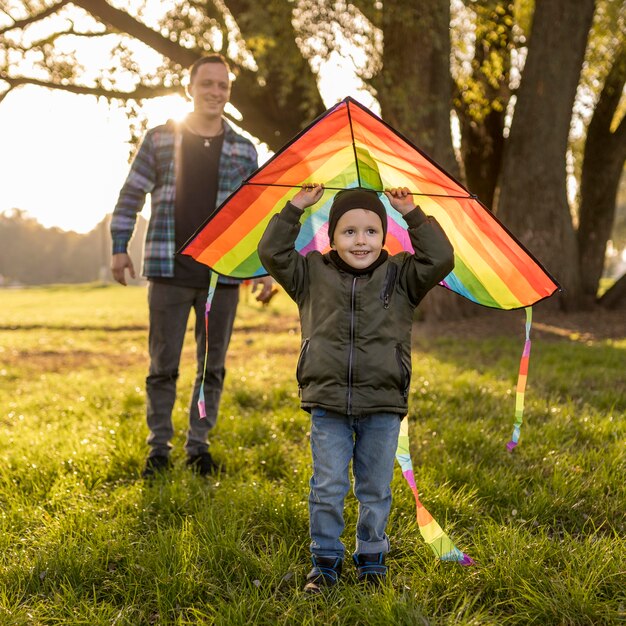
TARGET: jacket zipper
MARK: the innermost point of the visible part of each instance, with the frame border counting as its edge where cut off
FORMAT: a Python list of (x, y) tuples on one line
[(405, 377), (351, 352), (389, 284), (303, 350)]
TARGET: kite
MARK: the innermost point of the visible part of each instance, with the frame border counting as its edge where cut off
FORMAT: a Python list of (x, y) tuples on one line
[(346, 147)]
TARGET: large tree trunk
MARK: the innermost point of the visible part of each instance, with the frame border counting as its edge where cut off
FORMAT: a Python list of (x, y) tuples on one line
[(603, 163), (482, 101), (533, 198), (283, 93), (615, 297), (417, 48), (414, 87), (482, 146)]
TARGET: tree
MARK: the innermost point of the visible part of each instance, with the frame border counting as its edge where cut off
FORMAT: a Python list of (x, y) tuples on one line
[(482, 95), (483, 91), (420, 102), (533, 197), (31, 254), (604, 156)]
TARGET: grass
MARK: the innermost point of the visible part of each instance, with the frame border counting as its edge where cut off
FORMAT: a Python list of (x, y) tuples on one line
[(84, 541)]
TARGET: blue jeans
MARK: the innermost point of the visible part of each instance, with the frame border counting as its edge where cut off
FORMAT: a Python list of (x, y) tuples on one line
[(370, 442)]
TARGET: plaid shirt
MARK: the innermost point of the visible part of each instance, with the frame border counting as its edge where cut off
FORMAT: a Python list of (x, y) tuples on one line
[(153, 171)]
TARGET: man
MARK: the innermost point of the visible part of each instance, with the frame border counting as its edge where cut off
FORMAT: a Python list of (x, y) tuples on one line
[(189, 169)]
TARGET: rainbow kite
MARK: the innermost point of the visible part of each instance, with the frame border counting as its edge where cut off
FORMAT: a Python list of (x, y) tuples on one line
[(348, 146)]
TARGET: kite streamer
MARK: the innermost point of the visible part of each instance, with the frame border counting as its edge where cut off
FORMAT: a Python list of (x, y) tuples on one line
[(346, 147), (430, 530), (207, 309), (521, 383)]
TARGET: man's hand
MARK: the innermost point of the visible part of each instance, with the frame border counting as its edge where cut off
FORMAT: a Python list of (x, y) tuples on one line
[(119, 264), (267, 290), (400, 199), (308, 195)]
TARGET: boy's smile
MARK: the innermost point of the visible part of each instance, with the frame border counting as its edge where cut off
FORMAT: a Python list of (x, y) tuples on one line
[(358, 238)]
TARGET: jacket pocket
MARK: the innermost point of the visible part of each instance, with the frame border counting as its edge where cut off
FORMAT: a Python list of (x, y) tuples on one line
[(301, 359), (405, 372)]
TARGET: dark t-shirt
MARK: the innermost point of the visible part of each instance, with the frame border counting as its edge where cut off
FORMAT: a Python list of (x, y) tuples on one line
[(196, 193)]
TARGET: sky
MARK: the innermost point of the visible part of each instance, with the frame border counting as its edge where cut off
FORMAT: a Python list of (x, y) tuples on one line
[(64, 157)]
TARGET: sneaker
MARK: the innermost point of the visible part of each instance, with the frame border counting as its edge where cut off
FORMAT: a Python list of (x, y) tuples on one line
[(370, 568), (154, 465), (203, 464), (325, 573)]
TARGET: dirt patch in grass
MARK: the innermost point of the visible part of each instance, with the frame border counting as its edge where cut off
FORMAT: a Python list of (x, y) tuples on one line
[(75, 328), (55, 361), (588, 326), (276, 325)]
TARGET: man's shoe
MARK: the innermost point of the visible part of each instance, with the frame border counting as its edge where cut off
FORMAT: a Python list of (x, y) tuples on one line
[(154, 465), (203, 464), (370, 568), (325, 573)]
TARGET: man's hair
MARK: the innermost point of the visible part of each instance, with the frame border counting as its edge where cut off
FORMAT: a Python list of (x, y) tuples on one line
[(209, 58)]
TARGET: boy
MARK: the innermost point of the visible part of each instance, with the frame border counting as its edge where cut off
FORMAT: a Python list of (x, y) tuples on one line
[(356, 307)]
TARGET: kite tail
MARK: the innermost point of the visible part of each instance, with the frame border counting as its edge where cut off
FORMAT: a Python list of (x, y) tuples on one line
[(207, 308), (440, 543), (521, 383)]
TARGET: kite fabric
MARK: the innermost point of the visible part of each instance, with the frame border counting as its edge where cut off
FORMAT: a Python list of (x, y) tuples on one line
[(346, 147)]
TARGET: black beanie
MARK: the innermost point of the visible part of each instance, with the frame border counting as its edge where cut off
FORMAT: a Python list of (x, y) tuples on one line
[(357, 198)]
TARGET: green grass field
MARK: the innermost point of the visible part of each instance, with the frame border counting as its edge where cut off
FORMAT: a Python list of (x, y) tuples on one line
[(83, 540)]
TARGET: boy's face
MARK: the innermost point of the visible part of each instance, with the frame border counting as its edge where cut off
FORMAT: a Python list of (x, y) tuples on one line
[(358, 238)]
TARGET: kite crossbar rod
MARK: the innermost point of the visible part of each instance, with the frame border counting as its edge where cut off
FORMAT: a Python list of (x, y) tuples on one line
[(415, 193)]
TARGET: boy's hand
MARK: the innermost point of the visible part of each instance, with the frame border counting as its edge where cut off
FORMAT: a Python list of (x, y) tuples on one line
[(400, 199), (308, 195)]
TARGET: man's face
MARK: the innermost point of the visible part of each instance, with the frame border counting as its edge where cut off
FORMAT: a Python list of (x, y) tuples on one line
[(210, 90), (358, 238)]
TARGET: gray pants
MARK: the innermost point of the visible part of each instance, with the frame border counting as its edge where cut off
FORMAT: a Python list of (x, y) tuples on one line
[(169, 307)]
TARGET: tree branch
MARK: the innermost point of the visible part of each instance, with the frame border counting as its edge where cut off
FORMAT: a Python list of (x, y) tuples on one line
[(70, 31), (141, 92), (35, 18), (4, 94), (370, 11), (123, 22)]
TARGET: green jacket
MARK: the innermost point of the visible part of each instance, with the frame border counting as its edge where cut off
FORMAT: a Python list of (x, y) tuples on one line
[(355, 356)]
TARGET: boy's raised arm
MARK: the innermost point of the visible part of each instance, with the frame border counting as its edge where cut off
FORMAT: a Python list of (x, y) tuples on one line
[(277, 246), (433, 258)]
